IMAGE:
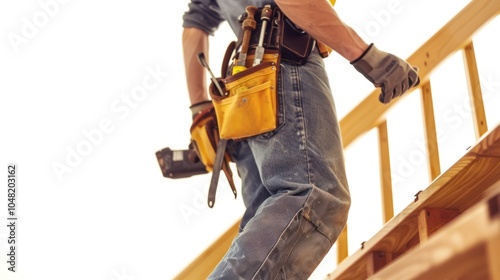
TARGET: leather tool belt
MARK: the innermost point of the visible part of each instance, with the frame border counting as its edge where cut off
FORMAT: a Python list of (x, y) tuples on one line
[(247, 103)]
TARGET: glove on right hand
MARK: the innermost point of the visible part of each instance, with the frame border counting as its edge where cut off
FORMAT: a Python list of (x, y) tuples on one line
[(394, 75)]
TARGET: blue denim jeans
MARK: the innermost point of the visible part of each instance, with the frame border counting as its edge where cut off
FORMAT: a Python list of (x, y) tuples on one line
[(294, 184)]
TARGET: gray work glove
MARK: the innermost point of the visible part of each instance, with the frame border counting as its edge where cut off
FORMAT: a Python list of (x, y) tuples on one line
[(394, 75), (198, 107)]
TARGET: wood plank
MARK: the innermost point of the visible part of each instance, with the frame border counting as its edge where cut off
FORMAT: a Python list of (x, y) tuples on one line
[(475, 94), (493, 245), (375, 261), (458, 251), (370, 112), (203, 265), (493, 257), (385, 173), (432, 219), (431, 142), (459, 187), (342, 248)]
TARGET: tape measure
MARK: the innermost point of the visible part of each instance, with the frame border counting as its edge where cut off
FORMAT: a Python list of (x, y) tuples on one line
[(238, 68)]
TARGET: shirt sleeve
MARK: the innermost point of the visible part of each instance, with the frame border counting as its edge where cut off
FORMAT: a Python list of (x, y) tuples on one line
[(204, 15)]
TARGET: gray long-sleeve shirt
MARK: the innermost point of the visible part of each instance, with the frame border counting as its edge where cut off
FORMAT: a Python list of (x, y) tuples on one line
[(207, 15)]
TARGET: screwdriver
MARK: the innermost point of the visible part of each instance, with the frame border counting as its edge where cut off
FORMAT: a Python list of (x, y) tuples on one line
[(259, 50)]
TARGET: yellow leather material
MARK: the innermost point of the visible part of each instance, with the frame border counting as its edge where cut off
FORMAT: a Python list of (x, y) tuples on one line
[(249, 107), (203, 132)]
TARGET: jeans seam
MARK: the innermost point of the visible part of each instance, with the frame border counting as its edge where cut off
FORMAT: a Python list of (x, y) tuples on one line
[(303, 122), (308, 217), (280, 103)]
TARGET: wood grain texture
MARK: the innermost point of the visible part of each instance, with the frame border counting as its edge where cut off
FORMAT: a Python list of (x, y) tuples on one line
[(474, 87), (459, 187), (432, 219), (375, 261), (430, 132), (458, 251), (385, 174)]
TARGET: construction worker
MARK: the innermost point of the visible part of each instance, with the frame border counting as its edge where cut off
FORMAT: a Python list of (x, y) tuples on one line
[(294, 183)]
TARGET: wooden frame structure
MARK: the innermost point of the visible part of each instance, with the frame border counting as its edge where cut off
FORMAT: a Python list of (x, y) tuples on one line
[(447, 197), (369, 115)]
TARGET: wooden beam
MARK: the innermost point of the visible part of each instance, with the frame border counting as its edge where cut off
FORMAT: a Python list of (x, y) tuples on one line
[(342, 247), (458, 251), (430, 132), (493, 245), (454, 36), (377, 260), (475, 94), (203, 265), (385, 173), (432, 219), (459, 187), (493, 259)]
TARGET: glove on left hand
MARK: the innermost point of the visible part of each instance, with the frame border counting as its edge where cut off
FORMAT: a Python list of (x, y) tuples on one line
[(197, 108), (394, 75)]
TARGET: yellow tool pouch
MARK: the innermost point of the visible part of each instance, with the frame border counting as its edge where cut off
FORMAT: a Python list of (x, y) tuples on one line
[(203, 133), (249, 106), (206, 141)]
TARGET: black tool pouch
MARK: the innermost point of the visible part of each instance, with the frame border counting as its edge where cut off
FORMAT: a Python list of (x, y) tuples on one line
[(294, 44)]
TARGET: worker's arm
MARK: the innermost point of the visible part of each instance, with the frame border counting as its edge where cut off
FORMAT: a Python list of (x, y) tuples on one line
[(319, 19), (194, 41), (385, 70)]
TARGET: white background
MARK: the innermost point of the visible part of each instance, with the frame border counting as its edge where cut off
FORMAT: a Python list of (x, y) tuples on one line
[(97, 207)]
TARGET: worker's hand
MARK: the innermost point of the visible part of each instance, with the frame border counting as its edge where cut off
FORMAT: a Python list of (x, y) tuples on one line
[(387, 71), (198, 107)]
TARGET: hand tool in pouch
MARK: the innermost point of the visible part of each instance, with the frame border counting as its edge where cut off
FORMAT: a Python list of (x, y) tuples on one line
[(248, 26), (203, 62), (265, 17), (221, 148)]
